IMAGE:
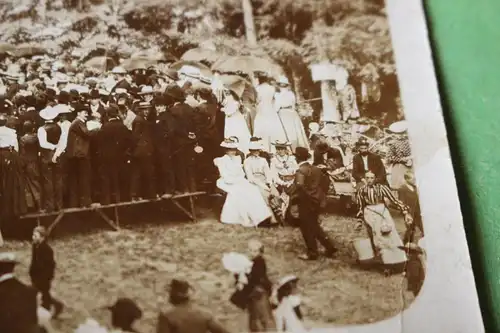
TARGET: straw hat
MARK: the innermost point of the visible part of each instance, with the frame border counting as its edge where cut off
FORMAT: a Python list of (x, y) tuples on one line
[(146, 90), (281, 144), (398, 127), (229, 143), (119, 70), (8, 258), (49, 113), (189, 71), (283, 81)]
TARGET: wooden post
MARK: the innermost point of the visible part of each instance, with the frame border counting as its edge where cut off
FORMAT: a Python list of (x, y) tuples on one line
[(249, 23)]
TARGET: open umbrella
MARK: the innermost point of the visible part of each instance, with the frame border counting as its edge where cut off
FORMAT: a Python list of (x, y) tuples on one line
[(205, 70), (201, 55), (101, 64), (242, 87), (138, 63), (157, 56), (29, 50), (248, 65)]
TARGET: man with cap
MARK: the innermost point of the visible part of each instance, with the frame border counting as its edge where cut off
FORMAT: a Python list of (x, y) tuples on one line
[(114, 146), (184, 316), (42, 269), (365, 161), (18, 302), (143, 180), (78, 154), (310, 188), (49, 138)]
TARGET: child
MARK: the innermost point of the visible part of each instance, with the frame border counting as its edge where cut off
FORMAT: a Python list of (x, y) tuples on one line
[(42, 270), (288, 313), (415, 267), (257, 290)]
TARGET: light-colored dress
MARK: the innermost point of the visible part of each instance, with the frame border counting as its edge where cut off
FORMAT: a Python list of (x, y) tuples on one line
[(267, 123), (290, 119), (236, 125), (244, 203), (283, 169), (286, 318)]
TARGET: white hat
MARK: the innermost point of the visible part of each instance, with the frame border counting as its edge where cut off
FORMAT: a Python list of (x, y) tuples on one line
[(236, 262), (285, 280), (229, 143), (8, 258), (49, 113), (255, 145), (119, 70), (283, 80), (145, 90), (103, 92), (398, 127), (279, 143), (61, 109), (189, 71)]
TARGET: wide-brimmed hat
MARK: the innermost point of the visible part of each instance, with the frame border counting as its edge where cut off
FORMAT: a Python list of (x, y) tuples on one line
[(160, 100), (180, 288), (281, 144), (286, 280), (8, 258), (230, 143), (302, 153), (172, 74), (126, 308), (255, 145), (146, 90), (190, 71), (64, 97), (398, 127), (62, 108), (119, 70), (143, 105), (94, 94), (283, 81), (49, 113)]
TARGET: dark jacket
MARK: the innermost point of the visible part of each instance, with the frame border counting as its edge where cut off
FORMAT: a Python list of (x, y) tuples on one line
[(258, 276), (143, 136), (78, 140), (311, 185), (43, 265), (333, 158), (187, 318), (410, 198), (18, 307), (114, 142), (375, 165)]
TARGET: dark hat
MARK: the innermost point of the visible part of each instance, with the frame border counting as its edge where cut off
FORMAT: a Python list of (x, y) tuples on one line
[(64, 97), (126, 308), (160, 100), (74, 94), (322, 147), (50, 93), (362, 142), (302, 153), (176, 93), (180, 288), (112, 111), (79, 107), (143, 105), (30, 100), (94, 94)]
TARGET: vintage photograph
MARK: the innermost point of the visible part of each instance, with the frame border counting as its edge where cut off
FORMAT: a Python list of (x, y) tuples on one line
[(204, 166)]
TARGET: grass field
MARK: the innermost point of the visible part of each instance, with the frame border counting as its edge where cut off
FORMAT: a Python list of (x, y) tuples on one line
[(97, 266)]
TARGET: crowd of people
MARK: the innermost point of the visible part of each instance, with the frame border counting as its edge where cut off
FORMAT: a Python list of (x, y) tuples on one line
[(80, 140)]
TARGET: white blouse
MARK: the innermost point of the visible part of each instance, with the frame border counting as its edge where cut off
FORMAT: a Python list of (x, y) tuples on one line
[(286, 318), (280, 164), (8, 138), (257, 170), (230, 168)]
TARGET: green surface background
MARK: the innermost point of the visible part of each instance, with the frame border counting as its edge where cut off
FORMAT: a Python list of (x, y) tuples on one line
[(465, 37)]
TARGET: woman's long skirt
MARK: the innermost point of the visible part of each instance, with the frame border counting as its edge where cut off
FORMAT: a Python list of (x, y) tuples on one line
[(12, 185)]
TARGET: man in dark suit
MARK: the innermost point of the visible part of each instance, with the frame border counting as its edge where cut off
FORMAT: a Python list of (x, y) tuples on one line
[(365, 161), (408, 194), (143, 175), (78, 154), (18, 302), (114, 145), (96, 106), (309, 189), (184, 316)]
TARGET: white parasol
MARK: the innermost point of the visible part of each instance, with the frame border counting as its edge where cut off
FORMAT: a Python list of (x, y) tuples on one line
[(236, 263)]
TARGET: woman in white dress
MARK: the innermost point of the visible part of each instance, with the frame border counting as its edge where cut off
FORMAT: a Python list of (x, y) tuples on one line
[(267, 123), (290, 120), (288, 315), (235, 124), (244, 203)]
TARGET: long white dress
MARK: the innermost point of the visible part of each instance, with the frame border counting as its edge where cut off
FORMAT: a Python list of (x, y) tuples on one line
[(236, 125), (292, 124), (286, 318), (244, 203), (267, 123)]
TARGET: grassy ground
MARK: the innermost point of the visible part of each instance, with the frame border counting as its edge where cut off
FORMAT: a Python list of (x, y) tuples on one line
[(96, 266)]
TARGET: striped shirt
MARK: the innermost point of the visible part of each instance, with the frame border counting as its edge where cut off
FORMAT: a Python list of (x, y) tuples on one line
[(375, 195)]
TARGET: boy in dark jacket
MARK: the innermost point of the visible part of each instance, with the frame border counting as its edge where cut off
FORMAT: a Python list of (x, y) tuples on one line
[(42, 270)]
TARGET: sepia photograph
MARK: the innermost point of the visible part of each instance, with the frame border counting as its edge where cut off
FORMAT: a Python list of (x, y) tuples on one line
[(218, 166)]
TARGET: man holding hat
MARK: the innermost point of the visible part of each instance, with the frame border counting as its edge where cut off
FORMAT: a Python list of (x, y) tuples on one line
[(18, 302), (49, 138), (310, 188)]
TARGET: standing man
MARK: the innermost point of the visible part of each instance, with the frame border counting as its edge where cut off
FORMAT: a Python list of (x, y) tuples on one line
[(114, 144), (310, 188), (42, 270), (408, 194), (79, 159), (18, 303), (49, 138)]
